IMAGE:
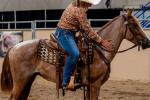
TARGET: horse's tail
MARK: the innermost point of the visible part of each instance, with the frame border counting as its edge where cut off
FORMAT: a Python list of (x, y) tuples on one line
[(6, 76)]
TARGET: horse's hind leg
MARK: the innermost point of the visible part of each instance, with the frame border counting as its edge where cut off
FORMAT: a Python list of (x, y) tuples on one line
[(17, 90), (15, 93), (21, 88)]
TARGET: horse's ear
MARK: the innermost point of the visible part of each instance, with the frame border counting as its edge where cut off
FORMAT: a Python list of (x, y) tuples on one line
[(129, 12)]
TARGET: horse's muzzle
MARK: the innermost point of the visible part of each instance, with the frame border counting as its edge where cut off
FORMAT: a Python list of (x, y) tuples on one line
[(144, 43)]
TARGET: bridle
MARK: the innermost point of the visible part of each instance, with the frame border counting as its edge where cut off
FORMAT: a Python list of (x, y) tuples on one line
[(131, 28), (127, 25)]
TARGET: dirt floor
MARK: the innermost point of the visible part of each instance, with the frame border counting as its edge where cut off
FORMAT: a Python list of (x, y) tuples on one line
[(112, 90)]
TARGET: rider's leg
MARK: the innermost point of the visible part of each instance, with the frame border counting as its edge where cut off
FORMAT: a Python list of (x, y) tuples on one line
[(67, 42)]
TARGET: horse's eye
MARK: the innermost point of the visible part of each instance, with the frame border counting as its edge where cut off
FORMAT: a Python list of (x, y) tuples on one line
[(132, 21), (135, 25)]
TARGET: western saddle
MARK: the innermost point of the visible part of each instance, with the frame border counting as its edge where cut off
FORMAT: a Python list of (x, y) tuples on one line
[(50, 52)]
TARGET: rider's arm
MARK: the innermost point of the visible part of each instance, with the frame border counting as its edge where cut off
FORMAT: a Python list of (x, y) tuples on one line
[(82, 18)]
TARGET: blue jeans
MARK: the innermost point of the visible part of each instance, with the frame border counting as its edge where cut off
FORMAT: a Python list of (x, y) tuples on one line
[(66, 40)]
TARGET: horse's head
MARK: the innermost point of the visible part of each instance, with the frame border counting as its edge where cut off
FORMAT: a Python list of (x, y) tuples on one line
[(134, 31)]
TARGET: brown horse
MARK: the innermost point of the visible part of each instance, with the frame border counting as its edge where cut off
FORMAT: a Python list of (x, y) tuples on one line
[(21, 64)]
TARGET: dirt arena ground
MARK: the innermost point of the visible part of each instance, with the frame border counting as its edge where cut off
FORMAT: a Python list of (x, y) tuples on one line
[(112, 90)]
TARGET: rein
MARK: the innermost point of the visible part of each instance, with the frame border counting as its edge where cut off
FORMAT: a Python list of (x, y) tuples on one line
[(99, 48), (127, 49)]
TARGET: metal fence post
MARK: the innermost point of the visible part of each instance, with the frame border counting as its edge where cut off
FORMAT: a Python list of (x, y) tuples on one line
[(33, 26), (8, 25)]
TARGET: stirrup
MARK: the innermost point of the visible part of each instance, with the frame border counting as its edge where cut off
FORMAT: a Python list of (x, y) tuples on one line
[(71, 85)]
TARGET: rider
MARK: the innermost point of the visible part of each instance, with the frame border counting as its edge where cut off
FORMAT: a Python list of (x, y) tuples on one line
[(73, 18)]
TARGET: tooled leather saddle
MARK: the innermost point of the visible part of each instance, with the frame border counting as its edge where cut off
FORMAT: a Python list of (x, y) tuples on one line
[(50, 52)]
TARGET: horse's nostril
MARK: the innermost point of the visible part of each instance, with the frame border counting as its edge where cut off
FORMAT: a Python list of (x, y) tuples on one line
[(145, 43)]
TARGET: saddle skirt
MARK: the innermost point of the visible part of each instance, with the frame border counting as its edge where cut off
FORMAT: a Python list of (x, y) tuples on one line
[(50, 52)]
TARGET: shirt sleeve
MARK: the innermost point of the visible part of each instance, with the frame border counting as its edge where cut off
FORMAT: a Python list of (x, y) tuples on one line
[(85, 25)]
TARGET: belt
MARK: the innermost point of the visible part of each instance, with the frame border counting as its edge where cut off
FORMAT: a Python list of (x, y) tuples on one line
[(72, 31)]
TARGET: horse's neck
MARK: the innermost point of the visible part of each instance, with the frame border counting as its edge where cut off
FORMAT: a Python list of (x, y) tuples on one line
[(114, 32)]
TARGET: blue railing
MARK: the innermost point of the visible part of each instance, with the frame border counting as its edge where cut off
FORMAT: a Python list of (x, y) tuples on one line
[(144, 13), (146, 23)]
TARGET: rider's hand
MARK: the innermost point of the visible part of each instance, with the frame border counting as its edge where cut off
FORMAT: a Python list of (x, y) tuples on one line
[(106, 43)]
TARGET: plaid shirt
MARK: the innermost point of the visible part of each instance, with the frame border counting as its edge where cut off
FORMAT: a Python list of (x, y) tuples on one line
[(74, 18)]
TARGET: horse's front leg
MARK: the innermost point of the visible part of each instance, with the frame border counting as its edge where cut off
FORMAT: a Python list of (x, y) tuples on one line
[(94, 91)]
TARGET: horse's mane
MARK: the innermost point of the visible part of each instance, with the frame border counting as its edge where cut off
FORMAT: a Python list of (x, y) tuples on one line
[(107, 24)]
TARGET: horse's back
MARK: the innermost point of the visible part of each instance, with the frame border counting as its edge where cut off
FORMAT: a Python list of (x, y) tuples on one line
[(23, 52), (26, 46)]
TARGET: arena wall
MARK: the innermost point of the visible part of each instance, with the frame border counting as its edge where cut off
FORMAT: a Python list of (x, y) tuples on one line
[(132, 64)]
